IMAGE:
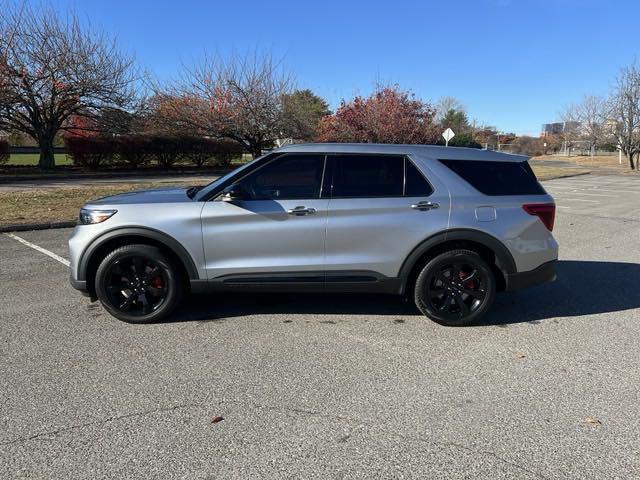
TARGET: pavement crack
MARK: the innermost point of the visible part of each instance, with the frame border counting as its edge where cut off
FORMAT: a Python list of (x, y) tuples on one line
[(491, 454), (441, 444), (296, 411), (114, 418)]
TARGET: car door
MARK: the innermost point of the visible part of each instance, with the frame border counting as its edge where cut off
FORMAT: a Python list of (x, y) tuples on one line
[(381, 208), (277, 231)]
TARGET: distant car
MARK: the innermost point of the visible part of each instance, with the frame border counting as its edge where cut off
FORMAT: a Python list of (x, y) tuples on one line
[(448, 226)]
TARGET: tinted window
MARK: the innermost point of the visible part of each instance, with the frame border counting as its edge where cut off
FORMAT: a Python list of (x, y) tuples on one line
[(497, 178), (288, 177), (415, 184), (368, 176)]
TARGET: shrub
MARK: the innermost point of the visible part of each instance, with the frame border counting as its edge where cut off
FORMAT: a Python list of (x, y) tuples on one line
[(90, 152), (166, 150), (4, 152), (203, 151), (223, 160), (134, 150), (138, 150), (464, 139), (198, 150), (530, 146)]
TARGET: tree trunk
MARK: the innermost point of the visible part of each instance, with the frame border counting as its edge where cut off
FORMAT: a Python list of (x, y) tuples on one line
[(630, 156), (47, 160), (255, 151)]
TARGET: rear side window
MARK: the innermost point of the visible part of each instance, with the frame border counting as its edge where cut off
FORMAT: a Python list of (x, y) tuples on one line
[(368, 176), (415, 185), (497, 178)]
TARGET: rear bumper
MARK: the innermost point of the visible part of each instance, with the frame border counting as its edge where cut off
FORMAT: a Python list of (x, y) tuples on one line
[(543, 274)]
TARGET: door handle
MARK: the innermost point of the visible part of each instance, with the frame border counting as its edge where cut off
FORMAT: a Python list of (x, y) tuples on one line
[(301, 210), (424, 206)]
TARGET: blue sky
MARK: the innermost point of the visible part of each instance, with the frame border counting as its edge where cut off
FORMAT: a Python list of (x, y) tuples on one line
[(513, 63)]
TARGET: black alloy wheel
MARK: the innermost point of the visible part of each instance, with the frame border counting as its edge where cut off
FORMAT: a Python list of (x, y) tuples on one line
[(138, 284), (455, 288)]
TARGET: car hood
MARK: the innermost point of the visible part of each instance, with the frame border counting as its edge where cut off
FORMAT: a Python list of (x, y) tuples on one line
[(157, 195)]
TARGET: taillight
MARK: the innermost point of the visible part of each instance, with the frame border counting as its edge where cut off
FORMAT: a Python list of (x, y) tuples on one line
[(544, 211)]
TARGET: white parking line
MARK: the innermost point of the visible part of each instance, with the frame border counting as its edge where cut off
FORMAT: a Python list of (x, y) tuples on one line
[(63, 261)]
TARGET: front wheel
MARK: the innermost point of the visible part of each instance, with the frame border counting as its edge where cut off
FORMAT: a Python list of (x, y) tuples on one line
[(138, 284), (455, 288)]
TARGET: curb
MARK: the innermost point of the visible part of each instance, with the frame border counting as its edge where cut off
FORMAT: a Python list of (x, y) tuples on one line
[(23, 227)]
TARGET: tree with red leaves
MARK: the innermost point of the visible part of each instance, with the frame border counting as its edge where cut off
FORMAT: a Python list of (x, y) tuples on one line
[(239, 98), (53, 69), (389, 115)]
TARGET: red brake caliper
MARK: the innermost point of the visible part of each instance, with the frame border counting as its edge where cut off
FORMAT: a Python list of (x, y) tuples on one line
[(471, 284), (157, 282)]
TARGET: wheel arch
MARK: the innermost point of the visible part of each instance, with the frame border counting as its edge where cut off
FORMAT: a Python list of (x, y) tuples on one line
[(487, 246), (112, 239)]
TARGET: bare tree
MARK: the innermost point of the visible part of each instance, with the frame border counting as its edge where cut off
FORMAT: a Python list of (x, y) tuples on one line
[(591, 115), (447, 104), (239, 99), (52, 69), (570, 133), (624, 112)]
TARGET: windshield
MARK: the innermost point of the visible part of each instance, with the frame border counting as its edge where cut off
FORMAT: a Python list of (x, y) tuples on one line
[(219, 181)]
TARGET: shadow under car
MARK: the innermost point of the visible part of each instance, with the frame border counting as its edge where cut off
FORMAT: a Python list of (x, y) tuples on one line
[(581, 288)]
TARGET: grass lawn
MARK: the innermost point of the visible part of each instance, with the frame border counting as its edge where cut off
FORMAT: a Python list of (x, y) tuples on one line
[(58, 204), (31, 159), (545, 172), (609, 162)]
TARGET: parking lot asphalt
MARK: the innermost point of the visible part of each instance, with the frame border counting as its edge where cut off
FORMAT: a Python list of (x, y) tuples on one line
[(334, 386)]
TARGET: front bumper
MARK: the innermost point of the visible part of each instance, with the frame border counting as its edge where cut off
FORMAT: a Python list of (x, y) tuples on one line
[(80, 285), (543, 274)]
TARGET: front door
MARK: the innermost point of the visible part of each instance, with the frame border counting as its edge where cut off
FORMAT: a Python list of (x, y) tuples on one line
[(277, 231)]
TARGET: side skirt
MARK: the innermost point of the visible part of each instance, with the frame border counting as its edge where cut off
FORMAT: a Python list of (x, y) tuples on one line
[(347, 282)]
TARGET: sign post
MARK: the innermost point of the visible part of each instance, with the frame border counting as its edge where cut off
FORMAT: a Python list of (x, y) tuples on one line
[(448, 135)]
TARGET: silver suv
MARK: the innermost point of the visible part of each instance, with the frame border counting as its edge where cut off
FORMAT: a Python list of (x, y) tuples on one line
[(448, 226)]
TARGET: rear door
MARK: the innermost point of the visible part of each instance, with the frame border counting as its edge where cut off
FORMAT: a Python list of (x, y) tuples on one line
[(381, 207), (278, 231)]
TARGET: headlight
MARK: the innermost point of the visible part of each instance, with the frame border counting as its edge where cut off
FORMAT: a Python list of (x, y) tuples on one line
[(89, 217)]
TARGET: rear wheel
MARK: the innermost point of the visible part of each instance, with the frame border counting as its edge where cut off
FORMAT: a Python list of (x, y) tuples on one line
[(138, 284), (455, 288)]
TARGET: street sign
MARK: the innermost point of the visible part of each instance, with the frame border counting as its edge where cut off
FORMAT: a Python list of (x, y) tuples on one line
[(448, 135)]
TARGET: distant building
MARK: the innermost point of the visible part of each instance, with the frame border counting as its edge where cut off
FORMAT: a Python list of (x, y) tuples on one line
[(558, 128)]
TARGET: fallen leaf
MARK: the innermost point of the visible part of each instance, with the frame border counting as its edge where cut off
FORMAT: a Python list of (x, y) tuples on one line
[(593, 421), (216, 419)]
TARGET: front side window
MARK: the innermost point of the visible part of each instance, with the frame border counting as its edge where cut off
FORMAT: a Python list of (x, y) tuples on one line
[(293, 176), (368, 176)]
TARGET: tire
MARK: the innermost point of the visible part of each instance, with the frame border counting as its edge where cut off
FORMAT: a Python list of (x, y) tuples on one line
[(138, 284), (455, 288)]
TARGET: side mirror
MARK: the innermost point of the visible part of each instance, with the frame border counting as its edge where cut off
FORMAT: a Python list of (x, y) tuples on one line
[(234, 193)]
